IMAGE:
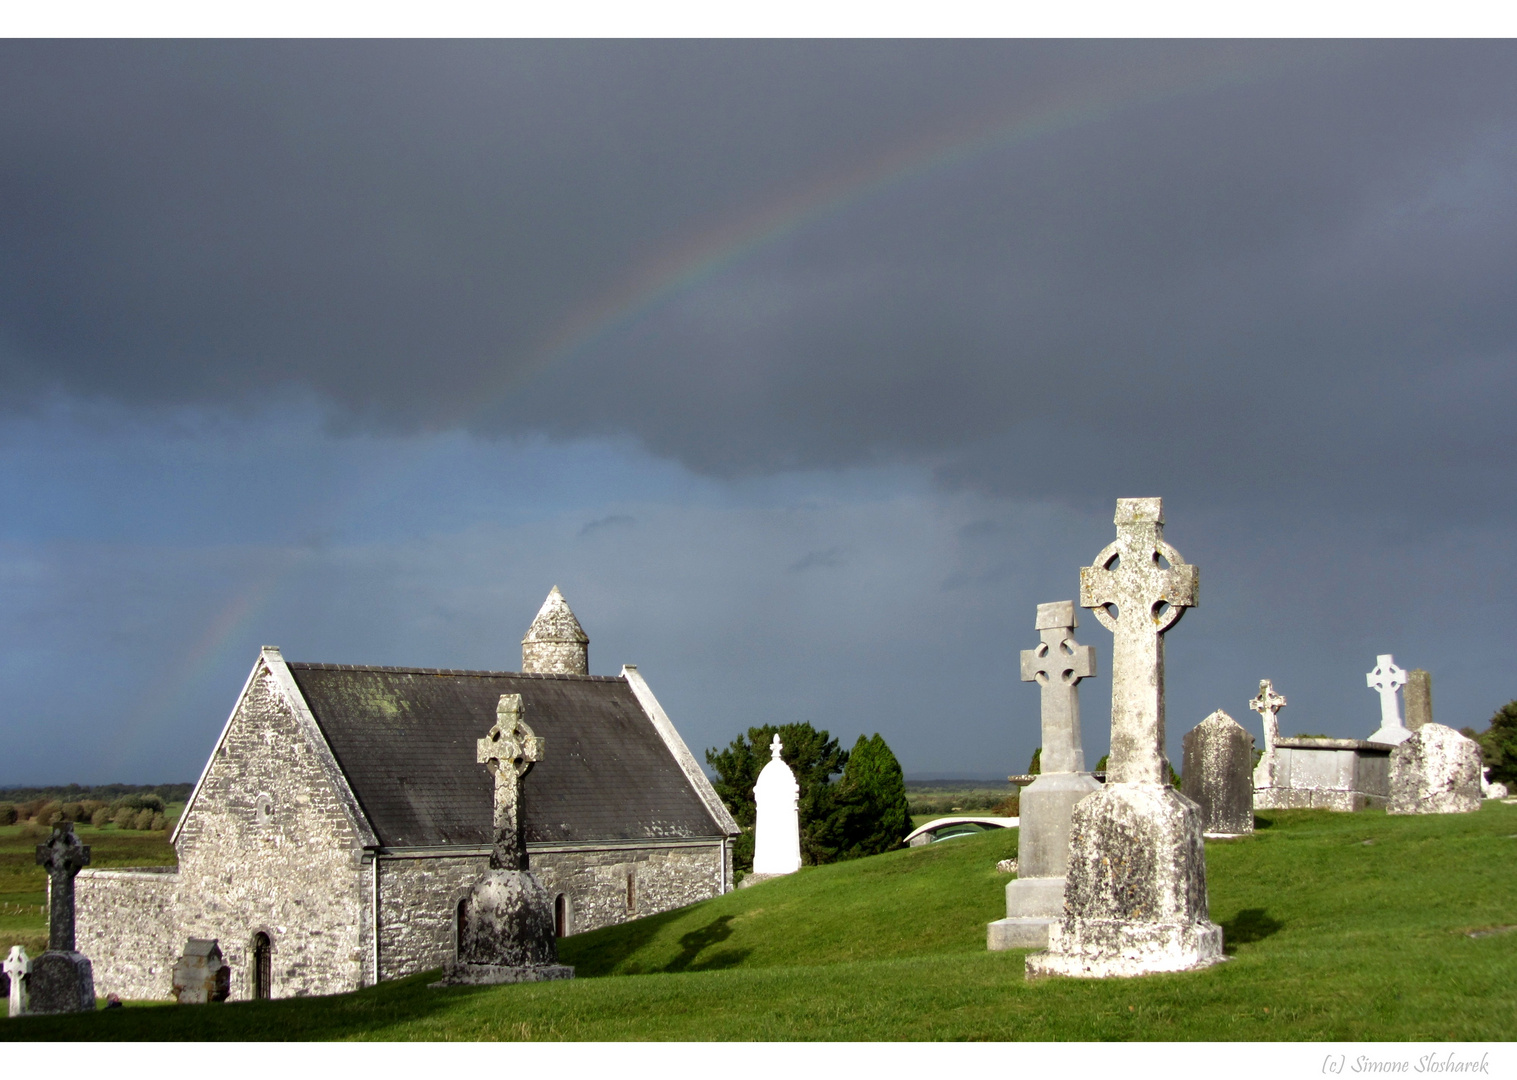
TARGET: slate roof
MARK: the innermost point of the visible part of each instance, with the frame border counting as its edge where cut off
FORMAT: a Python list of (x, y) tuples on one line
[(405, 738)]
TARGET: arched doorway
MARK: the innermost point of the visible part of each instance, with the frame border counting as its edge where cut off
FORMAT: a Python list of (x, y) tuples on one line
[(561, 916), (263, 967)]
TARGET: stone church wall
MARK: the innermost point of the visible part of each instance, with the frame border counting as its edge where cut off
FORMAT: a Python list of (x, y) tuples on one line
[(125, 922), (418, 907), (267, 847)]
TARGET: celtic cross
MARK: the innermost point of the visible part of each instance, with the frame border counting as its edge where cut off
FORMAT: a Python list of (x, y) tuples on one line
[(1058, 665), (1387, 678), (1267, 704), (1138, 588), (63, 856), (509, 752)]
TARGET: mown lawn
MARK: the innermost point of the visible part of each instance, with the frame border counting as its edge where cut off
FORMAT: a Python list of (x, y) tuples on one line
[(1339, 927), (23, 885)]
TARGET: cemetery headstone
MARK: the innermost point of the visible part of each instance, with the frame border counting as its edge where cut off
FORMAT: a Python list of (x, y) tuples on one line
[(1419, 699), (1435, 770), (61, 980), (1135, 890), (506, 927), (1218, 775), (17, 967), (777, 821), (201, 975), (1385, 680), (1268, 704), (1035, 901)]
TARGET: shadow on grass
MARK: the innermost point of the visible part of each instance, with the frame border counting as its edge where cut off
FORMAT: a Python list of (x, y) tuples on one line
[(1248, 926), (367, 1012), (697, 941), (600, 952)]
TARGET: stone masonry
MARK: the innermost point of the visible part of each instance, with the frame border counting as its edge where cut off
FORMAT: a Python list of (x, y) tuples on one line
[(555, 643)]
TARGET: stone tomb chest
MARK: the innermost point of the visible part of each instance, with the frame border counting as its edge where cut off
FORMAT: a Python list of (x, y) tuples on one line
[(1328, 774)]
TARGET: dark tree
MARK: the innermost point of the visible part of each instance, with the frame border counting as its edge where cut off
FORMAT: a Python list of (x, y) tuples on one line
[(1036, 766), (1498, 745), (814, 756), (872, 794)]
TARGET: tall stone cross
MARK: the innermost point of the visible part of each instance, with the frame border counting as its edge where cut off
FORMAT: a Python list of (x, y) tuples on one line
[(509, 751), (1138, 588), (1387, 678), (63, 856), (1058, 665), (1267, 704)]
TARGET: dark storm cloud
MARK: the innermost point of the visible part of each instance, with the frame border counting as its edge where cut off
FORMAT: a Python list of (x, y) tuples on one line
[(1257, 270)]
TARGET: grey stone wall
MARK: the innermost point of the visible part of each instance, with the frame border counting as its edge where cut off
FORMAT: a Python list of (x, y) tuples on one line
[(419, 895), (555, 657), (126, 923), (266, 847)]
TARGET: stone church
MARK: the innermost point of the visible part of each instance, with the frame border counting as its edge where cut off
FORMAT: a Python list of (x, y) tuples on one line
[(342, 817)]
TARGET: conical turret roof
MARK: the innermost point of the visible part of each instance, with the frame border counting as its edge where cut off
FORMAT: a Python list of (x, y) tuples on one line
[(555, 622)]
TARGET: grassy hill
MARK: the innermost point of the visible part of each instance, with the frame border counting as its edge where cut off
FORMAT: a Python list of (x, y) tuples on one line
[(1339, 926)]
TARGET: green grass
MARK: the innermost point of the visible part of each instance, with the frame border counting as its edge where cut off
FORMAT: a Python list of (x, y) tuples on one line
[(1339, 927), (23, 885)]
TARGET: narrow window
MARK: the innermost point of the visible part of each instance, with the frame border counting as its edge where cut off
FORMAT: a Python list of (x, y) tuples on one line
[(631, 891), (263, 967), (459, 924), (561, 916)]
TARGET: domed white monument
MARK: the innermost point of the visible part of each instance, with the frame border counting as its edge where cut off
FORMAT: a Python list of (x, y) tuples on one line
[(777, 830)]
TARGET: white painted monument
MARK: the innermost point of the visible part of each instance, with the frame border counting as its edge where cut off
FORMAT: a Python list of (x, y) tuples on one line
[(777, 827), (1035, 901), (17, 967), (1385, 680), (1135, 891), (1267, 704)]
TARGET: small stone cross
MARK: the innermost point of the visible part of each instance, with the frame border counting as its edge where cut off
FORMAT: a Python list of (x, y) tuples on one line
[(63, 856), (1058, 665), (17, 966), (509, 751), (1149, 586), (1387, 678), (1267, 704)]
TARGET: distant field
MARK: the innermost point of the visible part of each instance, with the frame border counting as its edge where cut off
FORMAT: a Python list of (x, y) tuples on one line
[(1350, 927), (23, 885), (934, 798)]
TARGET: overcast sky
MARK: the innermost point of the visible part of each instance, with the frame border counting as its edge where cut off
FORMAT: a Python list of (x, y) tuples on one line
[(805, 369)]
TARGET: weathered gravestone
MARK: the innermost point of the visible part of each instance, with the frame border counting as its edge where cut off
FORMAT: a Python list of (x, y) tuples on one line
[(777, 822), (1268, 704), (1435, 770), (1135, 891), (17, 968), (506, 931), (1218, 775), (61, 980), (201, 975), (1419, 699), (1036, 899), (1385, 680)]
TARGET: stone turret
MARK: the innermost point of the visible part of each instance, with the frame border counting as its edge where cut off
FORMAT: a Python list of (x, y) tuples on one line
[(555, 643)]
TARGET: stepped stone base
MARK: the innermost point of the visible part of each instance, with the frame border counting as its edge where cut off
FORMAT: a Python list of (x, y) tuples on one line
[(493, 974), (1032, 906)]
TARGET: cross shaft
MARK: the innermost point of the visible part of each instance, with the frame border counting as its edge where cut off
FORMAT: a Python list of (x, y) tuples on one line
[(1057, 665), (1149, 586), (63, 856), (509, 751)]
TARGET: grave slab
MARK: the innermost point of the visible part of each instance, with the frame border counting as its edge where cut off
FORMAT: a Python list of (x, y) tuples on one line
[(1217, 775), (1435, 770)]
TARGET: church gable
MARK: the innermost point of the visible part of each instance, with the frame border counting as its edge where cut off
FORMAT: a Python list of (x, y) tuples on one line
[(271, 777)]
